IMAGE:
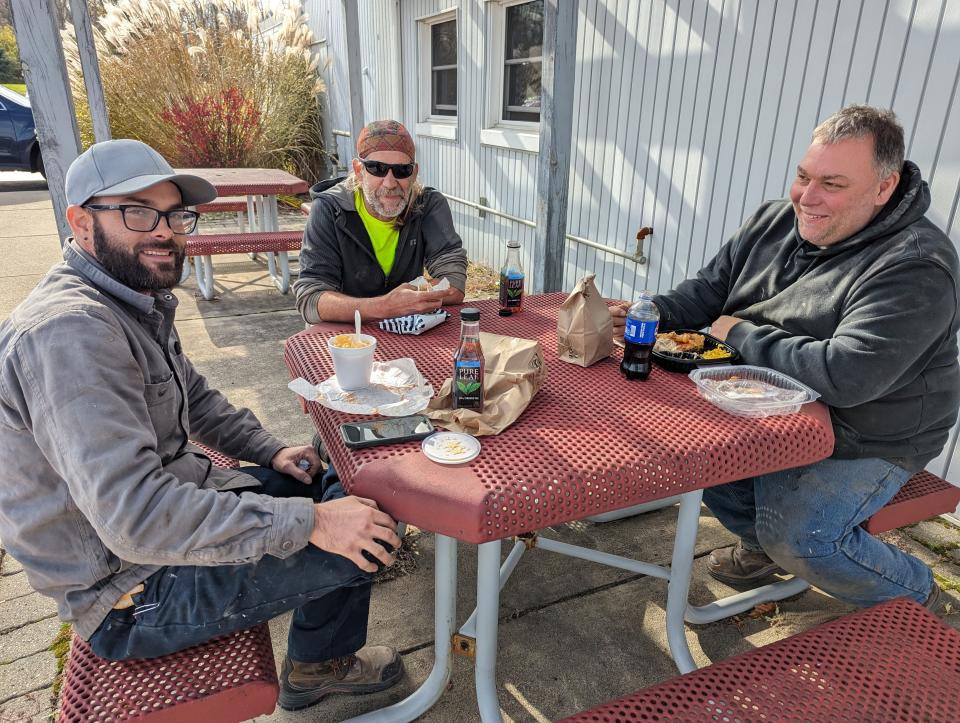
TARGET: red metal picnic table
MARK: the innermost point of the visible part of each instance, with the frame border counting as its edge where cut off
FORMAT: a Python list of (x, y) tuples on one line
[(261, 186), (589, 442)]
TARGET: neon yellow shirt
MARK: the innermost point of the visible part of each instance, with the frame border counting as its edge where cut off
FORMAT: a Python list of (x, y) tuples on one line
[(383, 235)]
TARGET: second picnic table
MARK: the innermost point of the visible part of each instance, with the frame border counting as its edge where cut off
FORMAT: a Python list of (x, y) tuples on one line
[(260, 187)]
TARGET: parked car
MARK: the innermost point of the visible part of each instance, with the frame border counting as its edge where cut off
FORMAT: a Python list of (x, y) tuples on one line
[(19, 147)]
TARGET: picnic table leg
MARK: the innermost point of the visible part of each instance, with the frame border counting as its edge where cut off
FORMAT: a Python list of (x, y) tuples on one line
[(254, 213), (678, 587), (445, 615), (488, 605), (281, 280), (204, 267), (469, 628), (634, 511), (185, 274)]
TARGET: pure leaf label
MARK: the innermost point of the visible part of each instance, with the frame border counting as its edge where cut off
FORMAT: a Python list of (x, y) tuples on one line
[(511, 291), (468, 385)]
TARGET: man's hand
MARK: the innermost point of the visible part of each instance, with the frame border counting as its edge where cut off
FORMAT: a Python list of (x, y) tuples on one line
[(722, 326), (288, 459), (618, 313), (405, 299), (350, 525)]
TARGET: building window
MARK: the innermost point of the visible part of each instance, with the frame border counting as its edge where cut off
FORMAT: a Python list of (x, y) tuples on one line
[(443, 68), (523, 48), (437, 75)]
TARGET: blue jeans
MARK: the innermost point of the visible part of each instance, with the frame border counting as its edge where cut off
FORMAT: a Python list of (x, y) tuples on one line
[(808, 519), (187, 605)]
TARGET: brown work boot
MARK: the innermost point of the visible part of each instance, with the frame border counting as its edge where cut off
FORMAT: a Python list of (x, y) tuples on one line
[(932, 603), (738, 566), (370, 669)]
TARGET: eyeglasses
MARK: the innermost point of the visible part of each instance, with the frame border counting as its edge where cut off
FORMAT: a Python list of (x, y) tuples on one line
[(144, 218), (379, 169)]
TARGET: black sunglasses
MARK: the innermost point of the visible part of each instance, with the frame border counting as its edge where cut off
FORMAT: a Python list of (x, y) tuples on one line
[(144, 218), (379, 169)]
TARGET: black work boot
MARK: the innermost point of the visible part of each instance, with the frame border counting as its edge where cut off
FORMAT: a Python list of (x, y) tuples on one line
[(738, 566), (370, 669)]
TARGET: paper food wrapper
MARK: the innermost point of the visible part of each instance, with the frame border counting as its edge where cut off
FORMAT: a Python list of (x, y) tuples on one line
[(397, 388), (421, 284), (414, 323), (513, 373), (584, 326)]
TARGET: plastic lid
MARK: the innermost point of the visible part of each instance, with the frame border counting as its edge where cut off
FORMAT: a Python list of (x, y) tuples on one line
[(505, 312), (470, 314)]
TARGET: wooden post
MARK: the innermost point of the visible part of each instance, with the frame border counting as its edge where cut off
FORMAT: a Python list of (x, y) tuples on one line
[(91, 70), (351, 18), (556, 127), (38, 37)]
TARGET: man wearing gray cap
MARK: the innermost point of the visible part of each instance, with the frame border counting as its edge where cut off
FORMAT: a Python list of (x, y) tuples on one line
[(112, 512)]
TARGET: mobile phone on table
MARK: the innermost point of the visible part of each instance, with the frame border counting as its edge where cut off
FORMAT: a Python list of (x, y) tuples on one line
[(385, 431)]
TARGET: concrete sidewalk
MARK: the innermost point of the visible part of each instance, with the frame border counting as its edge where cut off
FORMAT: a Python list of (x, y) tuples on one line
[(572, 634)]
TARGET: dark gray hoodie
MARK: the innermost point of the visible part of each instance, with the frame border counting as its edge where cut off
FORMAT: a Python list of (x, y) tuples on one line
[(337, 254), (870, 322)]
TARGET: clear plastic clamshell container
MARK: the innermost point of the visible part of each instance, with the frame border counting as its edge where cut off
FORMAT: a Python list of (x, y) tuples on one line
[(750, 391)]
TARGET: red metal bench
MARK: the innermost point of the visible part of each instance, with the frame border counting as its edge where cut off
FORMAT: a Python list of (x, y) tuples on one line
[(923, 496), (231, 678), (275, 244), (895, 661), (225, 204)]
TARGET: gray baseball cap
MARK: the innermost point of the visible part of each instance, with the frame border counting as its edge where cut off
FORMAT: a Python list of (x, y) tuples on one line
[(121, 167)]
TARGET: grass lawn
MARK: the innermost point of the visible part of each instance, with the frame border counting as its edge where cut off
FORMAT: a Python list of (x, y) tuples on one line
[(20, 88)]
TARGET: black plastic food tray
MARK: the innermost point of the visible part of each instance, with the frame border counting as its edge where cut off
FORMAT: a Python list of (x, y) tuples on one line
[(689, 360)]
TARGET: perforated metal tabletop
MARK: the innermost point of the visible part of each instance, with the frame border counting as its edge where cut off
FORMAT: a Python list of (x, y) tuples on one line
[(590, 441), (250, 181)]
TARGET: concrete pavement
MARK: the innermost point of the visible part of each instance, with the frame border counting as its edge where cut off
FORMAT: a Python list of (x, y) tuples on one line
[(572, 634)]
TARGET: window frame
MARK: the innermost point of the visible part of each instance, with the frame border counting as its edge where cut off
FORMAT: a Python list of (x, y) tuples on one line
[(496, 131), (428, 124)]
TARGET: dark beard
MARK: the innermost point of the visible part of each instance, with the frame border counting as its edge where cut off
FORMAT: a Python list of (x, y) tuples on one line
[(124, 264)]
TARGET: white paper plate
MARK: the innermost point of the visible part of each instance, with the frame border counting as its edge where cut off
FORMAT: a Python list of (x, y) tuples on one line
[(450, 447), (397, 389)]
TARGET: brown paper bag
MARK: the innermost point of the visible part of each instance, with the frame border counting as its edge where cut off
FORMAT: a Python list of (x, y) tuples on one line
[(513, 373), (584, 326)]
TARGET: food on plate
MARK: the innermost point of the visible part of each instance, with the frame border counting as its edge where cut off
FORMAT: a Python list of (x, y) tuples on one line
[(349, 341), (675, 342), (717, 352)]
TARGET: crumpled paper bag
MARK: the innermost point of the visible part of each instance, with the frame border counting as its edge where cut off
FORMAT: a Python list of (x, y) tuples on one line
[(584, 326), (513, 373)]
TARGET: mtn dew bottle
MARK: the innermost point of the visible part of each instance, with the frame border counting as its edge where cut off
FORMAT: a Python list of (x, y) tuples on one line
[(511, 281), (468, 363)]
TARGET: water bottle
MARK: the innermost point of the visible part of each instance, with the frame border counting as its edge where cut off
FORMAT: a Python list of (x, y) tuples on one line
[(639, 336)]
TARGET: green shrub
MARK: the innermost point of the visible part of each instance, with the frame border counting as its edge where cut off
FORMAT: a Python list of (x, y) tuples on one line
[(198, 81), (9, 57)]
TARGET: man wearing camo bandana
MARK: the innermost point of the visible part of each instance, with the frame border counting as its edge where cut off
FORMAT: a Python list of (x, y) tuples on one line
[(375, 230)]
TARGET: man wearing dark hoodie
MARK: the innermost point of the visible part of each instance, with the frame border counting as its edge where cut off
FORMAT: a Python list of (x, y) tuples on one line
[(371, 233), (850, 289)]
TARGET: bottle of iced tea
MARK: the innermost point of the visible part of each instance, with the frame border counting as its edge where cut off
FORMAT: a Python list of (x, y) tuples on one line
[(511, 281), (468, 363)]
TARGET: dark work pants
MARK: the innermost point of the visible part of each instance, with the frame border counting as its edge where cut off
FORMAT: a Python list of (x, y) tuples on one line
[(187, 605)]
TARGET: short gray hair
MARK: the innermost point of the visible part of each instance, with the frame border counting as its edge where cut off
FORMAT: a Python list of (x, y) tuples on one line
[(859, 121)]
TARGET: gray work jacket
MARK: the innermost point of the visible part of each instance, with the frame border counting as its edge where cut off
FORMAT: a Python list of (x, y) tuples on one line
[(100, 487)]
